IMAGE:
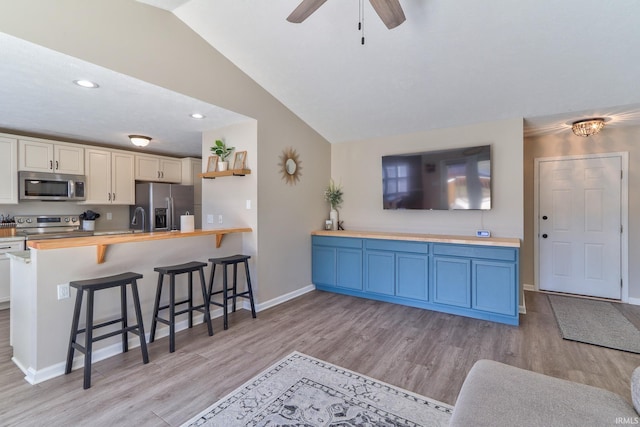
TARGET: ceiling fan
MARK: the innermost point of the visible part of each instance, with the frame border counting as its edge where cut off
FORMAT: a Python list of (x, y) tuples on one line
[(389, 11)]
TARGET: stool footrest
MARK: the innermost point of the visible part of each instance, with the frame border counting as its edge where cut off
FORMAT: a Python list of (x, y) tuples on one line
[(114, 333), (101, 325)]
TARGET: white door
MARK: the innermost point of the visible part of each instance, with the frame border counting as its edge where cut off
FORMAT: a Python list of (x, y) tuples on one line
[(580, 226)]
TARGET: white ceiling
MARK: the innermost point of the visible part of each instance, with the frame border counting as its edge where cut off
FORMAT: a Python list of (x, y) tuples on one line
[(39, 97), (451, 63)]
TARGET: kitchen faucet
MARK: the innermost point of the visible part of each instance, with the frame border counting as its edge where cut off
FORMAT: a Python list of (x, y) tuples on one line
[(134, 220)]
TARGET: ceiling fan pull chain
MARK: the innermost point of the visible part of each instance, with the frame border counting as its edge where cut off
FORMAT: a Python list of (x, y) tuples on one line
[(361, 23)]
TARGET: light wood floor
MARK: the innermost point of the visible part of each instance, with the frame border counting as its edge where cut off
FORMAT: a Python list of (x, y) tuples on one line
[(426, 352)]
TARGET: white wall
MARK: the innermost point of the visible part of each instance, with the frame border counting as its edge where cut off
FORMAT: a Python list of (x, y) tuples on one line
[(357, 166)]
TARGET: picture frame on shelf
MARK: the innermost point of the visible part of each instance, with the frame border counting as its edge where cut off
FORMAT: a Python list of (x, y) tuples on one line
[(212, 164), (239, 160)]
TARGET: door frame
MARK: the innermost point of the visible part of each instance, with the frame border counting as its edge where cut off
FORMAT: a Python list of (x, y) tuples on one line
[(624, 214)]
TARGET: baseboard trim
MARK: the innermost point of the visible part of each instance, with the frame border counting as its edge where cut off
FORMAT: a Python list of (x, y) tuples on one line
[(633, 301), (528, 287), (279, 300), (35, 376)]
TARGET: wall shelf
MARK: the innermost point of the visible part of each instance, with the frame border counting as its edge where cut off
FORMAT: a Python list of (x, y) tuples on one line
[(213, 175)]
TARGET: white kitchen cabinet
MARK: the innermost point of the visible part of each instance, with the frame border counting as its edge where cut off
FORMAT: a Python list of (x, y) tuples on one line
[(44, 156), (110, 177), (8, 171), (158, 169), (12, 245), (191, 167)]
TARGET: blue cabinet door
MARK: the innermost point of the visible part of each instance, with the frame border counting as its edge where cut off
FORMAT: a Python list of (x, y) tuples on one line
[(452, 281), (493, 287), (380, 272), (323, 265), (349, 268), (412, 276)]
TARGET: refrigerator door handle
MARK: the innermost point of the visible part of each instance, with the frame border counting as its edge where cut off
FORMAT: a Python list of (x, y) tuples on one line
[(170, 213)]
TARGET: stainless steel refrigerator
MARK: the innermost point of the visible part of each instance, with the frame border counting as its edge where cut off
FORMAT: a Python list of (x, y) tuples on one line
[(163, 204)]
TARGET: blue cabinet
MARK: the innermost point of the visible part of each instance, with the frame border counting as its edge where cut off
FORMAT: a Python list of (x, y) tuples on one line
[(452, 281), (337, 262), (396, 268), (469, 280)]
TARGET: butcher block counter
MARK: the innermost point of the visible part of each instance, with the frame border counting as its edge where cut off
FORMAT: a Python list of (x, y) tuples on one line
[(416, 237), (41, 321), (103, 241)]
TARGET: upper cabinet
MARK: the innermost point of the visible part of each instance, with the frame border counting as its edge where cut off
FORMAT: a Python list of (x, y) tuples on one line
[(158, 169), (110, 177), (8, 171), (43, 156)]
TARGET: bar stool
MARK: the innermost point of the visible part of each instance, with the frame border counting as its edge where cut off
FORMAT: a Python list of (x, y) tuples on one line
[(90, 286), (172, 270), (224, 262)]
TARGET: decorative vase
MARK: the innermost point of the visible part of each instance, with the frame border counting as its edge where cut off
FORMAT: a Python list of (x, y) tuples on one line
[(223, 166), (333, 216)]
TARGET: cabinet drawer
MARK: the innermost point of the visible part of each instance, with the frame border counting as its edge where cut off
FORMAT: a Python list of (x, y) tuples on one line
[(343, 242), (468, 251), (397, 246), (11, 246)]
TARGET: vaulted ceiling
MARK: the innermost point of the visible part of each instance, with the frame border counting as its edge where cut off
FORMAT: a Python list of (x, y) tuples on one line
[(451, 63)]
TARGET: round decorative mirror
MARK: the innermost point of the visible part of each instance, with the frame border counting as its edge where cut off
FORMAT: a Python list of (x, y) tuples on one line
[(290, 166)]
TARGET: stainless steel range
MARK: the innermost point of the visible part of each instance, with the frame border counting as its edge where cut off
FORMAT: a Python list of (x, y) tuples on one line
[(37, 227)]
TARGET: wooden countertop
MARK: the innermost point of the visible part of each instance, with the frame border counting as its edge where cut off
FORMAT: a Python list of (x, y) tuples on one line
[(102, 242), (415, 237)]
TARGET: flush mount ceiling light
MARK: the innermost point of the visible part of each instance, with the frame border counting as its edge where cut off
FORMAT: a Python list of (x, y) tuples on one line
[(587, 127), (197, 116), (140, 140), (87, 84)]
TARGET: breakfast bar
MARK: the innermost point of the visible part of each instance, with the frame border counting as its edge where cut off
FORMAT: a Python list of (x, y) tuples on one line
[(41, 307)]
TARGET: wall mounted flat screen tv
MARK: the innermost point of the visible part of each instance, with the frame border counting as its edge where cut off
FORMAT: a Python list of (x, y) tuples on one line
[(452, 179)]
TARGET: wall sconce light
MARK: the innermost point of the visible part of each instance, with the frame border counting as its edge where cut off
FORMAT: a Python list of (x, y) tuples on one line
[(140, 140), (587, 127)]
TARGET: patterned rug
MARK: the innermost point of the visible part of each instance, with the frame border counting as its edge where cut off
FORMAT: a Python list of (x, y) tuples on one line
[(300, 390), (594, 322)]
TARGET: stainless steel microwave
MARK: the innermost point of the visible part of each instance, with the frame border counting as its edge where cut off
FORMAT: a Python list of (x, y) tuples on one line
[(51, 186)]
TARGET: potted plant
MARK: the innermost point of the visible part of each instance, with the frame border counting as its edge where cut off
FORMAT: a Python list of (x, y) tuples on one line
[(89, 220), (333, 194), (222, 151)]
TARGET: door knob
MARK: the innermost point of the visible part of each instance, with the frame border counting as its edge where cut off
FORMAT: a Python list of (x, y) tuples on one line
[(544, 236), (545, 217)]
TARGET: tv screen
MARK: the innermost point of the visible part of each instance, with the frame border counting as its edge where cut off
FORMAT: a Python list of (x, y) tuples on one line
[(450, 179)]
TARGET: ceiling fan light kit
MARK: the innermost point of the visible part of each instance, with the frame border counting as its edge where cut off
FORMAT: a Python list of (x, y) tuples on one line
[(587, 127)]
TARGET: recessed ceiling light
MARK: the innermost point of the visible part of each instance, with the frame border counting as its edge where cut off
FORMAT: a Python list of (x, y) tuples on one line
[(197, 116), (86, 83)]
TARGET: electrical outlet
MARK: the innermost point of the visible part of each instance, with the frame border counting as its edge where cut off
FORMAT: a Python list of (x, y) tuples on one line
[(219, 219), (248, 204), (109, 216), (209, 219), (63, 291)]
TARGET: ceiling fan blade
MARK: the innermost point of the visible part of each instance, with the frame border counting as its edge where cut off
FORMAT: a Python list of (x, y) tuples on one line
[(304, 10), (389, 11)]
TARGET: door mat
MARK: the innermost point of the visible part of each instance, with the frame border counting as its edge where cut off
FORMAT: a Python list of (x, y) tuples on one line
[(300, 390), (594, 322)]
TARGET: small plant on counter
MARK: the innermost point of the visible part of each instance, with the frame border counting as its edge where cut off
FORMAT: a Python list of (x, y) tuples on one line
[(221, 149), (333, 194), (89, 215)]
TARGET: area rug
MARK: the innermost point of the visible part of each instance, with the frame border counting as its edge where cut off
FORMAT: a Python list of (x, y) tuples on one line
[(300, 390), (595, 322)]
